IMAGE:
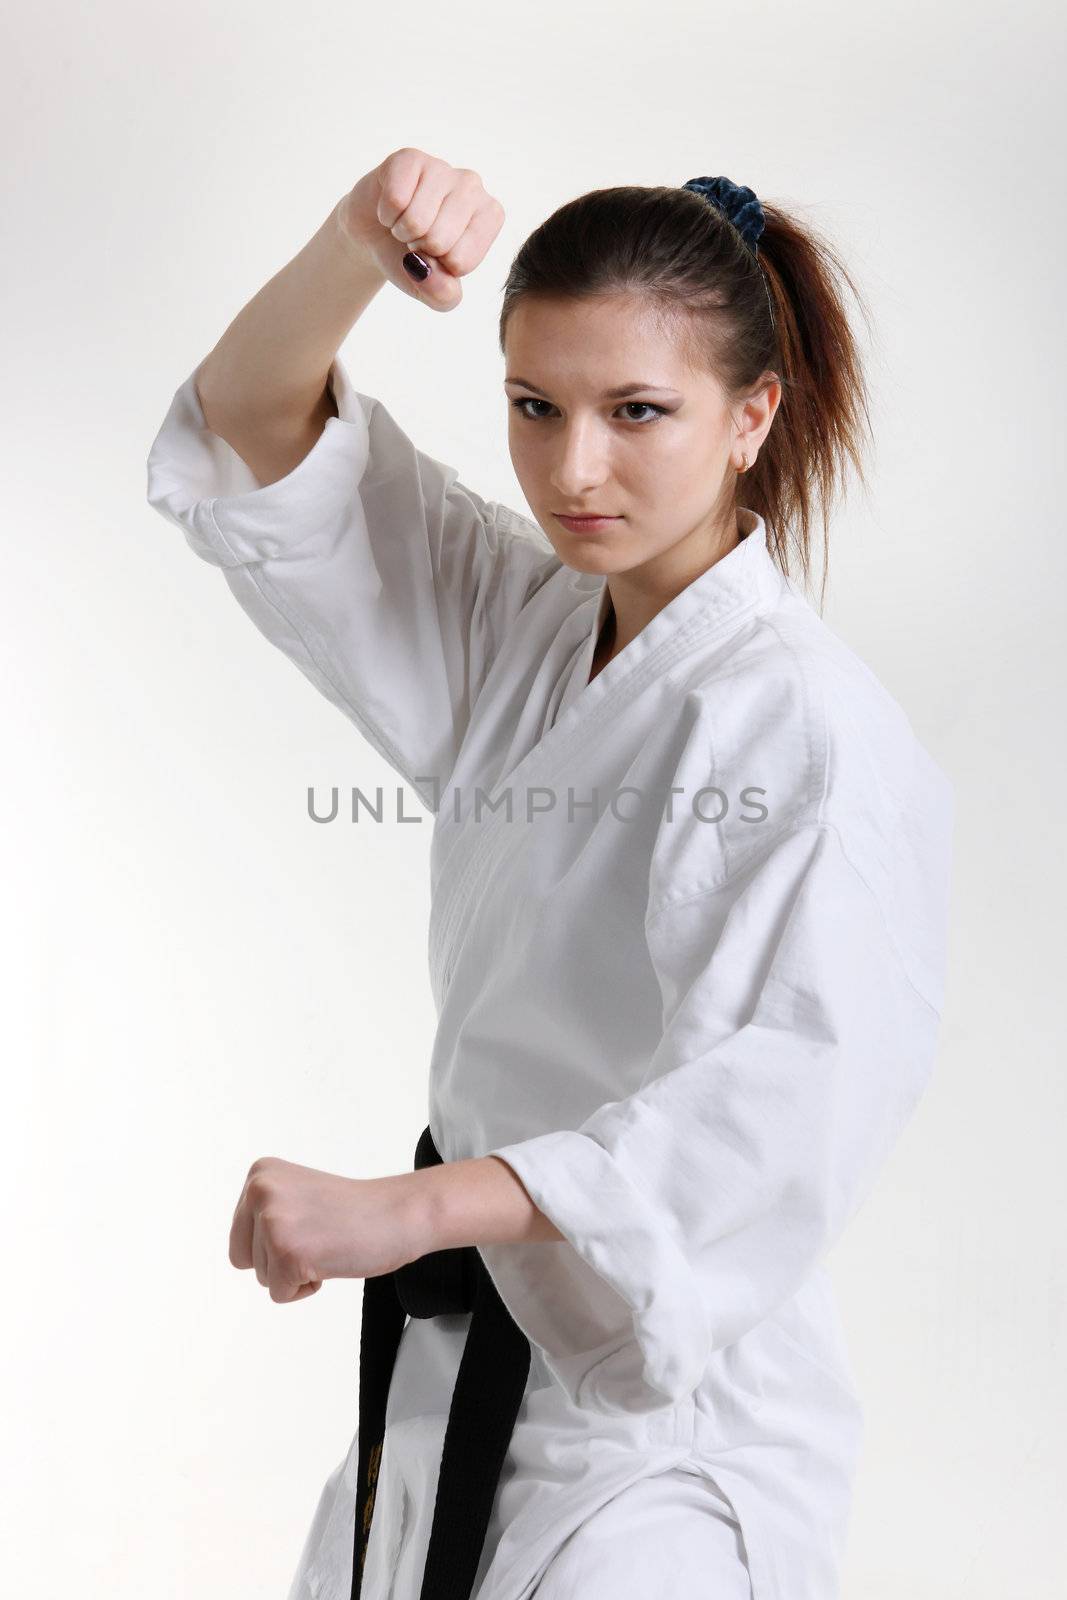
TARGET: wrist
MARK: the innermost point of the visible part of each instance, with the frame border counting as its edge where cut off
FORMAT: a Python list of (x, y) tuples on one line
[(475, 1201), (352, 241)]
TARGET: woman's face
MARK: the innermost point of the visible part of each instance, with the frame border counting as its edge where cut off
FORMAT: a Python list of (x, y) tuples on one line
[(657, 458)]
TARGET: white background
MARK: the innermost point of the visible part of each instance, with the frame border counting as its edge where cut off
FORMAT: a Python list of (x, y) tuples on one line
[(196, 974)]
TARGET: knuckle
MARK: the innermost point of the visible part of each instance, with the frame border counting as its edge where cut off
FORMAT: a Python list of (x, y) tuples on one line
[(258, 1187), (392, 196), (289, 1259), (463, 257), (414, 220)]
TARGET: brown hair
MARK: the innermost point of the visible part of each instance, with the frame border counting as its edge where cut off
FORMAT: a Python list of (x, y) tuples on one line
[(678, 250)]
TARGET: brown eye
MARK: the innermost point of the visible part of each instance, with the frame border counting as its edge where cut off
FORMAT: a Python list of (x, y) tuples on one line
[(629, 405), (528, 400), (646, 405)]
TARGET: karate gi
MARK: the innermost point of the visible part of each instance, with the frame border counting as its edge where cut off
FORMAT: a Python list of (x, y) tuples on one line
[(693, 1024)]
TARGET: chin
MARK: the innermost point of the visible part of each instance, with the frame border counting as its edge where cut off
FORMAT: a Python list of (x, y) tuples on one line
[(586, 556), (590, 552)]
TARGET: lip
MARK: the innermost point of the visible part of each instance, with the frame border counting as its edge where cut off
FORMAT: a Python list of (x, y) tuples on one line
[(585, 524)]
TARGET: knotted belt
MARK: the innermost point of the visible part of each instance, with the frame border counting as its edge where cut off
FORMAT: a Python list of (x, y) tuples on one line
[(488, 1391)]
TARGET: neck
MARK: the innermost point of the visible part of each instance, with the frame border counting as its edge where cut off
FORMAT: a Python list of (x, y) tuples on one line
[(641, 593)]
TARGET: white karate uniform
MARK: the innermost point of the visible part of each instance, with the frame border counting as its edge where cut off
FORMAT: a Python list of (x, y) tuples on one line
[(693, 1035)]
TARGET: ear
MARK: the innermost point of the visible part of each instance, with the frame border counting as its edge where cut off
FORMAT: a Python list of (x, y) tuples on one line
[(757, 415)]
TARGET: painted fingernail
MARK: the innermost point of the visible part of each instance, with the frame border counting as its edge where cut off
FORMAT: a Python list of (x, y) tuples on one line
[(415, 266)]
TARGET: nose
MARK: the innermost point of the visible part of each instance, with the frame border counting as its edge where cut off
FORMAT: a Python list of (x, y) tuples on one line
[(581, 464)]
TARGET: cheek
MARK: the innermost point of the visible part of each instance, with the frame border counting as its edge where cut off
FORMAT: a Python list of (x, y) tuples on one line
[(523, 456), (688, 462), (667, 469)]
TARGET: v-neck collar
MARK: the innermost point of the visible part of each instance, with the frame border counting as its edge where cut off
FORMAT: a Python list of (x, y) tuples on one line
[(746, 573), (720, 600)]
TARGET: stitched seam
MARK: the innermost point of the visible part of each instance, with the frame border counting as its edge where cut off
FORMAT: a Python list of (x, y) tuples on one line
[(888, 931), (225, 543), (823, 827), (702, 628), (731, 877), (810, 698), (458, 905), (813, 703)]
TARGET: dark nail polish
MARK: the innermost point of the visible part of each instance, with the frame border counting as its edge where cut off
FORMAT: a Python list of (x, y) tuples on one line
[(415, 266)]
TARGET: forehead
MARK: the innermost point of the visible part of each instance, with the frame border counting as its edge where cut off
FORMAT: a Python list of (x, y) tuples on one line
[(596, 340)]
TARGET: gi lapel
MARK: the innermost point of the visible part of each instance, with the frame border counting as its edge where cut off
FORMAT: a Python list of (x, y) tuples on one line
[(718, 602)]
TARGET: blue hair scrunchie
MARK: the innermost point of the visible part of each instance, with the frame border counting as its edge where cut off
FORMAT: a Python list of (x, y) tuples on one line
[(737, 203)]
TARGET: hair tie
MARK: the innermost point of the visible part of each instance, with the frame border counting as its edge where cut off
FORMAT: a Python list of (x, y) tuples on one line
[(737, 204), (740, 206)]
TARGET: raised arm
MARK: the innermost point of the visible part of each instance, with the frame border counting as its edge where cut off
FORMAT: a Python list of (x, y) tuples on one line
[(263, 388), (387, 581)]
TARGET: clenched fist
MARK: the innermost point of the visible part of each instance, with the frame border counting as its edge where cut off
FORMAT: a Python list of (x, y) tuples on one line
[(297, 1226), (417, 202)]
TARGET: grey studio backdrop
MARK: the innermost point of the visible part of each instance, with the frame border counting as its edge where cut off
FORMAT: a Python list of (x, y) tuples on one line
[(197, 974)]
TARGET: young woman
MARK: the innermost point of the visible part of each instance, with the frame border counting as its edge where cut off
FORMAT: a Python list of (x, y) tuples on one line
[(689, 871)]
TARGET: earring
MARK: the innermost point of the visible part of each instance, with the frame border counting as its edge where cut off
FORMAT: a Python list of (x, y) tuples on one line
[(744, 462)]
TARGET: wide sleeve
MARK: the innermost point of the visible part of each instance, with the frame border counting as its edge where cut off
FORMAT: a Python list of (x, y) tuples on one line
[(388, 583), (795, 1044)]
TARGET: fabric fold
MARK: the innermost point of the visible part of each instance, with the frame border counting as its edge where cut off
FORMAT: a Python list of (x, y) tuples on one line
[(705, 1199), (383, 578)]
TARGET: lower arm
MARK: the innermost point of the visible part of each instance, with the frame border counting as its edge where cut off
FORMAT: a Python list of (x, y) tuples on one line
[(476, 1201), (272, 362)]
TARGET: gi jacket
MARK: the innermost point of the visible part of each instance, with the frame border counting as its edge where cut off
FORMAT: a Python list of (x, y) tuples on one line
[(687, 946)]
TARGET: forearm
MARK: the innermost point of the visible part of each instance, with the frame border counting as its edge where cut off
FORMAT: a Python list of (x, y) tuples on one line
[(272, 362), (477, 1201)]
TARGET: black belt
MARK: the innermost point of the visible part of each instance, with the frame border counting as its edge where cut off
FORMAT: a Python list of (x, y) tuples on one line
[(488, 1392)]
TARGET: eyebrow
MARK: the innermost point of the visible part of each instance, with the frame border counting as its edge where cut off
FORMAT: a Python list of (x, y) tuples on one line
[(609, 394)]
